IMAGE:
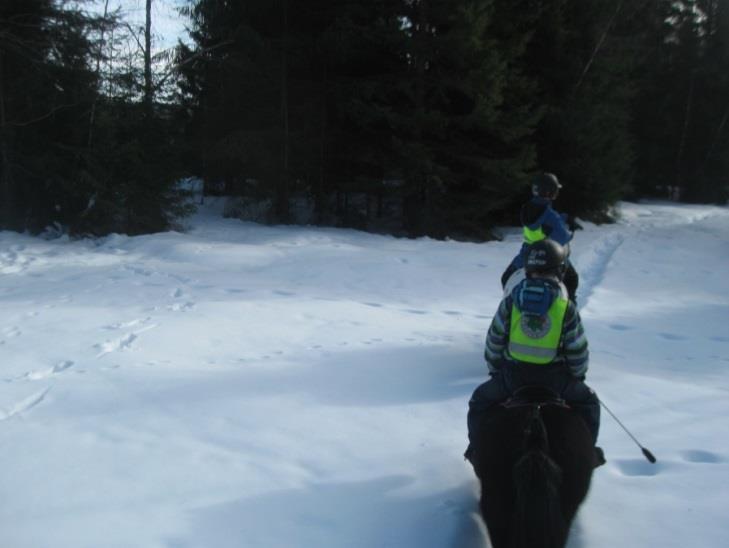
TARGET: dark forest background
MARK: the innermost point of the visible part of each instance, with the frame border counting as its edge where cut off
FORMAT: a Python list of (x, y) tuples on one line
[(413, 117)]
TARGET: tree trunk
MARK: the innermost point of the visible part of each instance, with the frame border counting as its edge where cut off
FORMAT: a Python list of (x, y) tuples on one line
[(717, 137), (282, 206), (320, 195), (148, 89), (6, 183), (92, 114), (684, 131)]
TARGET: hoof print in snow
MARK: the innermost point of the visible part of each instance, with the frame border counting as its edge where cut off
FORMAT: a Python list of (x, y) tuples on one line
[(671, 337), (637, 467), (701, 457)]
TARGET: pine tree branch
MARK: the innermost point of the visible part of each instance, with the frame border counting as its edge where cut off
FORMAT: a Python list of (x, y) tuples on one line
[(197, 55)]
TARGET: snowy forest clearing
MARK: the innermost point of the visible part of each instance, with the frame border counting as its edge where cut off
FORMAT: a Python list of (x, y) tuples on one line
[(242, 385)]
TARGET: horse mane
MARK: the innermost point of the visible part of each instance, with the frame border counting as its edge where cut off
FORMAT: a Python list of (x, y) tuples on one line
[(538, 519)]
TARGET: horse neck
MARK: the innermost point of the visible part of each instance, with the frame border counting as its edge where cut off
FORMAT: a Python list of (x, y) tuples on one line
[(535, 434)]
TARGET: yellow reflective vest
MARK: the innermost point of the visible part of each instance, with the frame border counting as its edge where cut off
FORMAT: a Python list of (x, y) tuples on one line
[(534, 338), (532, 236)]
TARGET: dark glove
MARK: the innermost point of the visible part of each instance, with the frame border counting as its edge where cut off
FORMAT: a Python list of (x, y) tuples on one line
[(573, 224)]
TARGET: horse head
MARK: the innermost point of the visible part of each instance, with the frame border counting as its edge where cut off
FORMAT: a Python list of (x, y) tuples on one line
[(534, 457)]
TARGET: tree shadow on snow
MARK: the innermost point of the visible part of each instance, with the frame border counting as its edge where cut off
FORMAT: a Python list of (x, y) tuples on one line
[(390, 376), (359, 514)]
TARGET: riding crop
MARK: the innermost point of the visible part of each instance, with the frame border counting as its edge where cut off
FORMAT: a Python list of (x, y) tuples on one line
[(646, 453)]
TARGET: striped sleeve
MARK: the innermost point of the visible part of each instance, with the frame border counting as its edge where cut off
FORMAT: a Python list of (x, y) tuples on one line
[(574, 343), (496, 339)]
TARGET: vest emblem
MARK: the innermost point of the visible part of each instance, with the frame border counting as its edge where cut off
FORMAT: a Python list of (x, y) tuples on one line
[(535, 326)]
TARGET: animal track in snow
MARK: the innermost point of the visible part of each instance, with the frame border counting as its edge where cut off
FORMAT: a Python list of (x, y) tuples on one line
[(115, 345), (24, 404), (12, 331), (283, 293), (181, 307), (138, 270), (45, 373), (125, 325)]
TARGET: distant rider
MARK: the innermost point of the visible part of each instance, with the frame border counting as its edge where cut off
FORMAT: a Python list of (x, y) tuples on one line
[(540, 221), (537, 338)]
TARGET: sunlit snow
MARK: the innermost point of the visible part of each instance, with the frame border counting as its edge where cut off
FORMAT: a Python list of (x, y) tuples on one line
[(246, 386)]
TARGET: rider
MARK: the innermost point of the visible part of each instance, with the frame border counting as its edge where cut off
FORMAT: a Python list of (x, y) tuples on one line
[(537, 338), (541, 221)]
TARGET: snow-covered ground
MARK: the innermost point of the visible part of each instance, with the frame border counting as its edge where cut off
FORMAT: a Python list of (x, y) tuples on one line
[(250, 386)]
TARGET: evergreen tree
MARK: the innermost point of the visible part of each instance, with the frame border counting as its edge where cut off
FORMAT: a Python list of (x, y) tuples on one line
[(45, 88), (583, 53), (463, 134), (77, 150), (681, 112), (232, 83)]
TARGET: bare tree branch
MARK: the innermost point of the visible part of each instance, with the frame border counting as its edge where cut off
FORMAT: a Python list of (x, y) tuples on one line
[(42, 117), (599, 44)]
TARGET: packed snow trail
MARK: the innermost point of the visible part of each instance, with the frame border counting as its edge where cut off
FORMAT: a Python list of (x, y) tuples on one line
[(240, 385)]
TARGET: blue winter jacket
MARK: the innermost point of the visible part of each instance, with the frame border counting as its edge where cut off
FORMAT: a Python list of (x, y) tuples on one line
[(538, 213)]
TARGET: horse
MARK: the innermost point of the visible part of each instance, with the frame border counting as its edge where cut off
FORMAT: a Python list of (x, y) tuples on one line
[(534, 458)]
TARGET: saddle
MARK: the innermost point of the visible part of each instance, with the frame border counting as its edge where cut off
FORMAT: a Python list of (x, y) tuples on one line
[(534, 396)]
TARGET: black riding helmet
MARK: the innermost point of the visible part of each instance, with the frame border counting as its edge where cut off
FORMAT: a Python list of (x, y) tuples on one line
[(546, 185), (544, 258)]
